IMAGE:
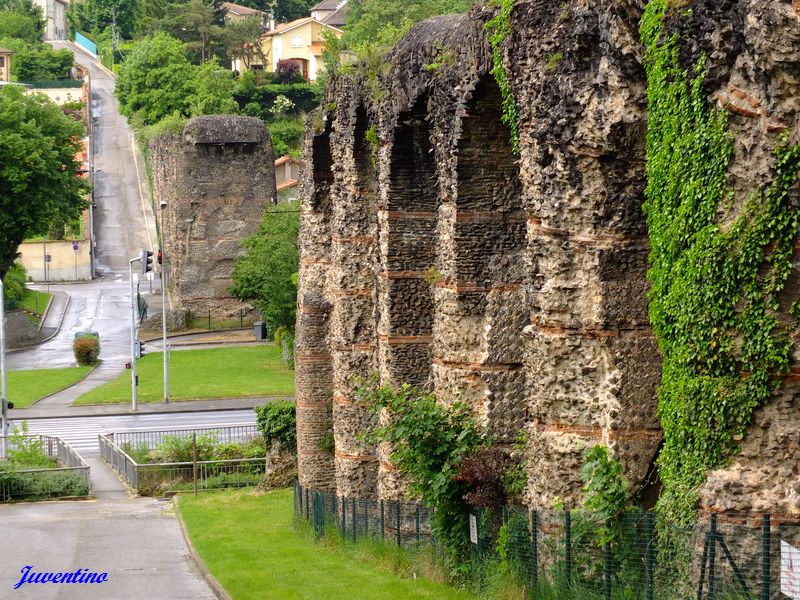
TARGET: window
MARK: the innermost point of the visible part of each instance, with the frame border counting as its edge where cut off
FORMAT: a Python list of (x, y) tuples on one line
[(2, 62), (297, 42)]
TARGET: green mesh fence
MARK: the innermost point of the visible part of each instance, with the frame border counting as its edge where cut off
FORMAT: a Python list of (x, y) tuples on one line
[(575, 555)]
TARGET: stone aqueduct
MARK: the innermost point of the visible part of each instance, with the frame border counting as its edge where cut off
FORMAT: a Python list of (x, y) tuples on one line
[(433, 254)]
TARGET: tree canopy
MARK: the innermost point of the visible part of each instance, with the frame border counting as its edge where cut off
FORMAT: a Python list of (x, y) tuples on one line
[(38, 169), (267, 274), (383, 21), (155, 81)]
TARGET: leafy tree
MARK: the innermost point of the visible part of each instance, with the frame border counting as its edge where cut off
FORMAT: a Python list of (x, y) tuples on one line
[(25, 7), (38, 166), (37, 62), (266, 274), (14, 283), (289, 10), (197, 26), (284, 10), (155, 80), (97, 16), (240, 39), (213, 91), (384, 21), (18, 25)]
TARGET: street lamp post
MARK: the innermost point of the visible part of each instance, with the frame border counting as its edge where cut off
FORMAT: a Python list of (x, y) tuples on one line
[(134, 381), (3, 397)]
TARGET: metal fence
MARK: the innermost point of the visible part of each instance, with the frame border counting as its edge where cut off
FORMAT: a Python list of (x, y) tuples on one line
[(402, 522), (207, 320), (70, 478), (157, 478), (574, 554), (152, 437)]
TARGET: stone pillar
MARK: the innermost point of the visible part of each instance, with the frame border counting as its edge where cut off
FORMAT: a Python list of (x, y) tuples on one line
[(481, 299), (353, 329), (313, 368), (591, 361)]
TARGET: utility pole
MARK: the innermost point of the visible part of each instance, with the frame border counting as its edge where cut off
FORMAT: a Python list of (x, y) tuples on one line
[(3, 397), (114, 35), (134, 380)]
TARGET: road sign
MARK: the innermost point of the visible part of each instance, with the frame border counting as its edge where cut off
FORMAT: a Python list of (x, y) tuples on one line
[(790, 571), (150, 275), (473, 529), (48, 258), (75, 246)]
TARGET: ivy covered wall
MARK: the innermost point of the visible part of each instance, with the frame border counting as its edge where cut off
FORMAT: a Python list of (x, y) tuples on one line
[(721, 206)]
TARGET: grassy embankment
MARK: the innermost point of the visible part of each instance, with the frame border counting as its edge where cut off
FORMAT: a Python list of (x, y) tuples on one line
[(26, 387), (250, 544)]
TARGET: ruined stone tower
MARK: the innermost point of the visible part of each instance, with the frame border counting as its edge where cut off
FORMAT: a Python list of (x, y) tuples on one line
[(215, 179)]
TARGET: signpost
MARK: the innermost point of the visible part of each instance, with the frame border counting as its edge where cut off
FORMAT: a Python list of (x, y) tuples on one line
[(75, 248)]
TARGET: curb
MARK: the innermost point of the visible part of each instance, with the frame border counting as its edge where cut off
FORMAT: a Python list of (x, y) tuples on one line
[(44, 315), (89, 372), (212, 582)]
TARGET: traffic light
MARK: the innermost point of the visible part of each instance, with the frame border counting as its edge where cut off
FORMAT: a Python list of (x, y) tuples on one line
[(147, 261), (139, 348), (160, 256)]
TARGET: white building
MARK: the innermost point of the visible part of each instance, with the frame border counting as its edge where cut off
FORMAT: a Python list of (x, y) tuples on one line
[(55, 18)]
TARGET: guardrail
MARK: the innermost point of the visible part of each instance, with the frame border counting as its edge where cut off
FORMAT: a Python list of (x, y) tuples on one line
[(71, 478), (54, 84), (154, 478), (153, 437)]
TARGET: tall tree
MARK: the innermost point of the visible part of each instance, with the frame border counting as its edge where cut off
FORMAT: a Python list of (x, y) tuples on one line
[(266, 275), (155, 80), (213, 91), (96, 16), (26, 7), (241, 40), (380, 20), (38, 169)]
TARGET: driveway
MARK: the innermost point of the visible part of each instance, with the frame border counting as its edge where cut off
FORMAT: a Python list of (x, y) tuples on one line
[(137, 542)]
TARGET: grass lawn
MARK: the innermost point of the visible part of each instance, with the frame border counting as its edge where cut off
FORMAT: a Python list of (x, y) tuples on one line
[(35, 301), (26, 387), (250, 544), (201, 374)]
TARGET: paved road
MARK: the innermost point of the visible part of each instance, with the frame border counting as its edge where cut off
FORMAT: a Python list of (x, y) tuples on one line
[(138, 543), (81, 432), (123, 225)]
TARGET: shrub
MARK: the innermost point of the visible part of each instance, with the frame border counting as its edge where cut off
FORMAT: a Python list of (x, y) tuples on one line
[(87, 349), (27, 452), (288, 71), (277, 422), (429, 440), (14, 283)]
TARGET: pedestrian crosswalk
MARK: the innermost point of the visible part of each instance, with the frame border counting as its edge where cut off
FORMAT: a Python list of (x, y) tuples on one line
[(81, 432)]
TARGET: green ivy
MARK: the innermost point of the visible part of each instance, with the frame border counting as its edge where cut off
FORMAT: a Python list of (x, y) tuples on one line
[(714, 296), (606, 494), (428, 441), (499, 28)]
